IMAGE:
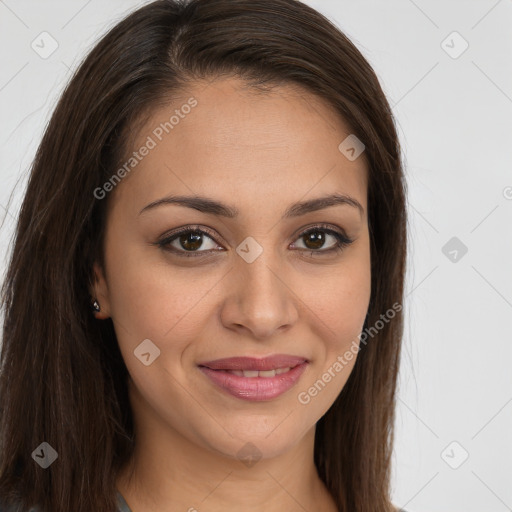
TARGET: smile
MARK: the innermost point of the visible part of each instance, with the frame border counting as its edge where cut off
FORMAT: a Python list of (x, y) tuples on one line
[(256, 385), (256, 373)]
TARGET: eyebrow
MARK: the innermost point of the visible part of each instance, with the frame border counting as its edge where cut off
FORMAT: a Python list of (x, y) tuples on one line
[(213, 207)]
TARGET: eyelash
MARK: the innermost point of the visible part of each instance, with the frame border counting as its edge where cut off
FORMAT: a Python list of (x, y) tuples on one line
[(341, 241)]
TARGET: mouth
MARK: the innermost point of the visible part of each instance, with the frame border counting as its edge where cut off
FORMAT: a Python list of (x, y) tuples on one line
[(255, 379), (243, 363), (257, 373)]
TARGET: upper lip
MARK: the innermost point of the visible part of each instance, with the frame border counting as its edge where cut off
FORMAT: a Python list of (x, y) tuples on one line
[(251, 363)]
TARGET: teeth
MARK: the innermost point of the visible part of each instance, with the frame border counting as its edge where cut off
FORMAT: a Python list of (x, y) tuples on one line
[(250, 373), (256, 373)]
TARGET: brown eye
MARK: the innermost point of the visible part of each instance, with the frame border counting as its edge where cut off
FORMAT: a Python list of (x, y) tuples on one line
[(314, 240), (190, 241), (187, 242)]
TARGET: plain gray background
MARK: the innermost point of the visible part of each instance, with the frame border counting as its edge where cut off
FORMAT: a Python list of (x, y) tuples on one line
[(453, 106)]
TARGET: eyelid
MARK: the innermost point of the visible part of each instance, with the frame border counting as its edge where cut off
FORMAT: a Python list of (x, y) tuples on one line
[(328, 228)]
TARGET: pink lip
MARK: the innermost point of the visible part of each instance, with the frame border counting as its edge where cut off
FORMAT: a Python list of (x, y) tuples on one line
[(251, 363), (256, 388)]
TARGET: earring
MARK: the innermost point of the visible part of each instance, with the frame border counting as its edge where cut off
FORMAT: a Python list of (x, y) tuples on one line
[(96, 305)]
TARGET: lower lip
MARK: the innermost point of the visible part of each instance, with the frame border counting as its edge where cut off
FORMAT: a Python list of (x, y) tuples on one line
[(255, 388)]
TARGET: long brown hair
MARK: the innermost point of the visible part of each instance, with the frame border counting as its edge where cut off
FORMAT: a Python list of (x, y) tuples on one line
[(63, 379)]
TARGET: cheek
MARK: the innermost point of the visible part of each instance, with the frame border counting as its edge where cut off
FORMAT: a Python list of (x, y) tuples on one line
[(336, 356), (168, 307), (339, 309), (339, 300), (343, 308), (153, 299)]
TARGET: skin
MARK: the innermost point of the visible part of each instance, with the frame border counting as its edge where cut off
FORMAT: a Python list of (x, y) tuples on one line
[(259, 153)]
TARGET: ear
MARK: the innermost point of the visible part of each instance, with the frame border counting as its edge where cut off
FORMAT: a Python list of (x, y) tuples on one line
[(99, 292)]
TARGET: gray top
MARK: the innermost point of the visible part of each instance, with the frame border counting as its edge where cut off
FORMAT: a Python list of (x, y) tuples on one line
[(122, 506)]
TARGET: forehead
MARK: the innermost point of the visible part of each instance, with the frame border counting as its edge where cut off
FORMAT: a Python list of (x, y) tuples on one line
[(223, 138)]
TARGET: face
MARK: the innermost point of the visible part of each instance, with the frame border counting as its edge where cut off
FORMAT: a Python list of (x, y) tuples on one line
[(269, 278)]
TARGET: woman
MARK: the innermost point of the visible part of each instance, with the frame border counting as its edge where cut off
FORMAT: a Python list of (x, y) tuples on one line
[(203, 304)]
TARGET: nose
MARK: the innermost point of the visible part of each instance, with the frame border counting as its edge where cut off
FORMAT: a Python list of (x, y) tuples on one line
[(260, 301)]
